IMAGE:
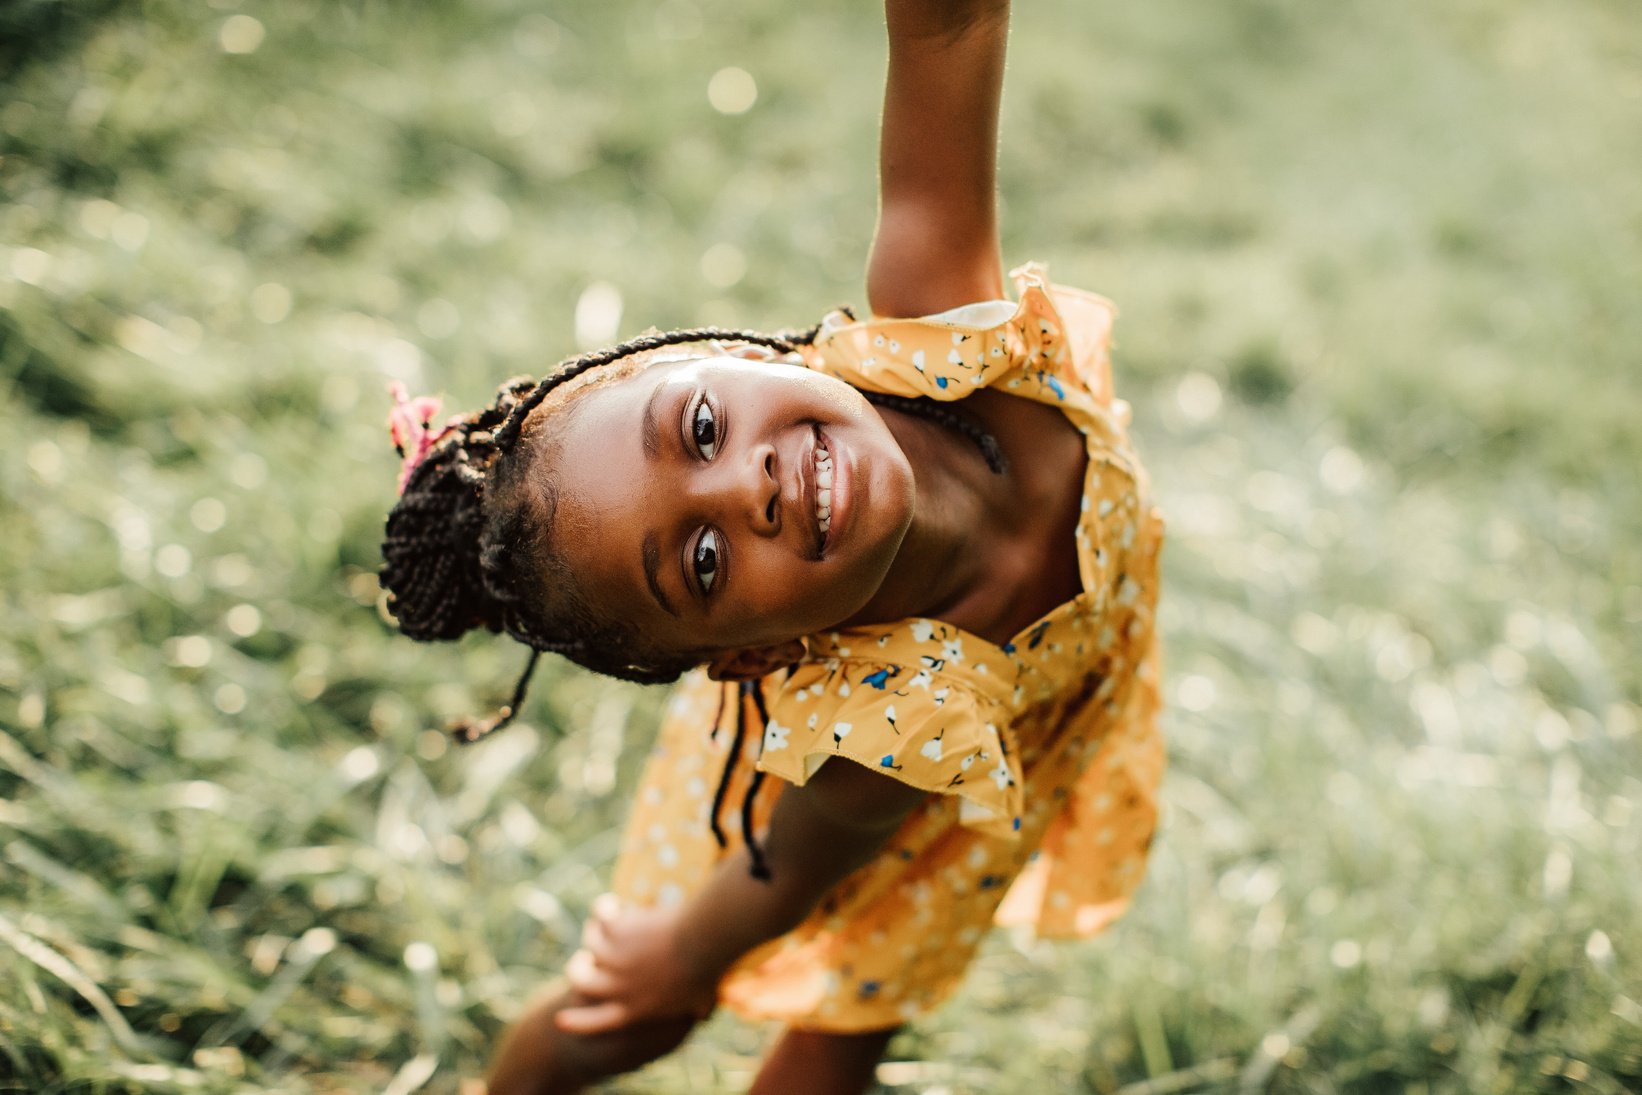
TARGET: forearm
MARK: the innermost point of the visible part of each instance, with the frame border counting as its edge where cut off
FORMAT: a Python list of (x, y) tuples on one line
[(910, 20), (734, 913), (936, 242), (816, 838)]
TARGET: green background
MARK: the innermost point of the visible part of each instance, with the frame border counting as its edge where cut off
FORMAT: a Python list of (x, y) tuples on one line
[(1381, 284)]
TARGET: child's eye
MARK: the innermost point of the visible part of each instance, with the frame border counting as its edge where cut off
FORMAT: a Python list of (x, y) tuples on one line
[(704, 430), (706, 560)]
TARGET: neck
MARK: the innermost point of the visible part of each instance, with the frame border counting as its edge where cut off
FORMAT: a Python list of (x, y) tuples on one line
[(938, 564)]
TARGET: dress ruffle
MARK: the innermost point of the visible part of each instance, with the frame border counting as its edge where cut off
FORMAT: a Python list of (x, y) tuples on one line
[(1060, 335), (912, 711)]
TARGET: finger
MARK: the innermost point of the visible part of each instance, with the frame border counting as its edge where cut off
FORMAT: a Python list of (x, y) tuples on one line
[(593, 1019), (607, 906), (601, 943), (586, 975)]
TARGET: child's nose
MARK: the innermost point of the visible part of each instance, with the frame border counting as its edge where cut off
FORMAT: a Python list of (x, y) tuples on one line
[(758, 490)]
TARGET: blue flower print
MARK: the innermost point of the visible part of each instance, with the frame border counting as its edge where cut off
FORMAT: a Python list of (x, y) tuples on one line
[(879, 678)]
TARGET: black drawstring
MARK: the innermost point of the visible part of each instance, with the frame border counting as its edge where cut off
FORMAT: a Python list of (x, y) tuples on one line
[(729, 762), (760, 870), (718, 719)]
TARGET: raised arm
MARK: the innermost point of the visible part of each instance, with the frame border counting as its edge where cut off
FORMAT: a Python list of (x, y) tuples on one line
[(936, 246)]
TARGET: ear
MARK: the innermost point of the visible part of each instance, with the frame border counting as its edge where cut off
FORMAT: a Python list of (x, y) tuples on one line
[(751, 662)]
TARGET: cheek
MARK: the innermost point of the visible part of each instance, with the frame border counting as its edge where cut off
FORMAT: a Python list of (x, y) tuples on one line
[(844, 402)]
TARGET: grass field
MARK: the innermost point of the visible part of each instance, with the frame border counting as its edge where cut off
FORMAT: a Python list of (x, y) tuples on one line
[(1380, 268)]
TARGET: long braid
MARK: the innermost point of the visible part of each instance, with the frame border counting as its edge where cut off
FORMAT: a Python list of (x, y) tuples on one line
[(952, 419)]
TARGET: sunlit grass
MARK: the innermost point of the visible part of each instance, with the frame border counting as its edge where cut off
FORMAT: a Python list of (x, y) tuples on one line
[(1378, 274)]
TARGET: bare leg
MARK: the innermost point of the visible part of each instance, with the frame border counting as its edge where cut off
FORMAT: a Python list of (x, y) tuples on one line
[(813, 1062), (537, 1058)]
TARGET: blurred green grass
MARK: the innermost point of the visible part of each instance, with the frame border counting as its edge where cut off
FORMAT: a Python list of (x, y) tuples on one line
[(1378, 268)]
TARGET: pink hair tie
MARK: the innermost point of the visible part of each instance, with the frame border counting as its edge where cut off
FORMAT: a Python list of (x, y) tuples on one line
[(410, 424)]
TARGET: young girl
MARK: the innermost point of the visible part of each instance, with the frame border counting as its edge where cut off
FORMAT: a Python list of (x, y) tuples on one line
[(912, 566)]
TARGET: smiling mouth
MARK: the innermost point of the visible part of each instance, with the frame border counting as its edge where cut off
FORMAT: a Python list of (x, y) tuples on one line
[(823, 486)]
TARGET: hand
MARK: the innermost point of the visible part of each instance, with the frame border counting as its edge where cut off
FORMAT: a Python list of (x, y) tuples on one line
[(632, 965)]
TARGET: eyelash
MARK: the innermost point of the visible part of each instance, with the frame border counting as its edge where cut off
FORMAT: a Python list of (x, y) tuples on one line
[(707, 547), (704, 415)]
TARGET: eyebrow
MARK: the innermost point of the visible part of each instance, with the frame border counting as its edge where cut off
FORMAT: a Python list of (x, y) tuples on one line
[(652, 572), (650, 425)]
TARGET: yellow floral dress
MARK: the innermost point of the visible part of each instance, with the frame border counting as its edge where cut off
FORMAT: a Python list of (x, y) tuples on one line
[(1042, 755)]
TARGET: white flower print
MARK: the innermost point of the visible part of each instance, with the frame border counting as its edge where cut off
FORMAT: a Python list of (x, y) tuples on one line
[(1128, 591), (932, 748), (775, 736), (1000, 776), (923, 630), (953, 650)]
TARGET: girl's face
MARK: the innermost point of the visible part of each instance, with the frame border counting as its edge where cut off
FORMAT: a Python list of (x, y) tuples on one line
[(694, 502)]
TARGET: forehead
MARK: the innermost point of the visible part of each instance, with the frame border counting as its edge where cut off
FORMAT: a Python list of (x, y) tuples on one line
[(608, 494), (718, 369)]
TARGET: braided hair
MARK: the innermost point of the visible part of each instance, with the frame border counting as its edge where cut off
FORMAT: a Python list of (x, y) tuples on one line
[(467, 546)]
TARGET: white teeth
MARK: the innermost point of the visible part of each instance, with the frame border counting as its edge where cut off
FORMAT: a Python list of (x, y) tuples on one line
[(823, 489)]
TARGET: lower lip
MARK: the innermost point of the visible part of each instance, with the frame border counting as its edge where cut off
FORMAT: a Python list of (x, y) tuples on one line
[(842, 475)]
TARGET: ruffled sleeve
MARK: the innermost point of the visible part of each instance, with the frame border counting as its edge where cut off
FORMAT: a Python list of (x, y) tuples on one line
[(1052, 344), (915, 717)]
